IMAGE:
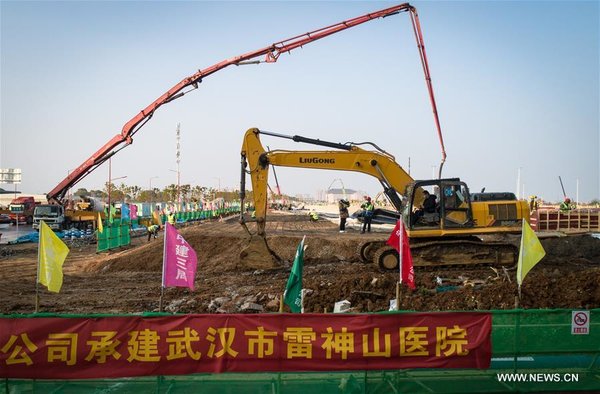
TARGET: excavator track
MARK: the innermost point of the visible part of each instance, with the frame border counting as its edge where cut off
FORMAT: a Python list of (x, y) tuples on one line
[(449, 254), (366, 250)]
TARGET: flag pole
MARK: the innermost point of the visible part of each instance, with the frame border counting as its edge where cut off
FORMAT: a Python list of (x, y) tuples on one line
[(302, 290), (37, 274), (162, 285), (400, 241), (401, 244), (397, 296), (281, 303)]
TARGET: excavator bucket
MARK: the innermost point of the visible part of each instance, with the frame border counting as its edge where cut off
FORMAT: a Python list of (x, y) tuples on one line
[(258, 255)]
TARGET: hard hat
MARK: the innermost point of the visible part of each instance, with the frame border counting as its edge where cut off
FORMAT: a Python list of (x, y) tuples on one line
[(567, 199)]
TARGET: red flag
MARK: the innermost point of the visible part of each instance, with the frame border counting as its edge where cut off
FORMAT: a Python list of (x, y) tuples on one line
[(397, 238)]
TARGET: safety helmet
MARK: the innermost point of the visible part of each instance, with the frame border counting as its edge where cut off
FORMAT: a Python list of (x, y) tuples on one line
[(567, 199)]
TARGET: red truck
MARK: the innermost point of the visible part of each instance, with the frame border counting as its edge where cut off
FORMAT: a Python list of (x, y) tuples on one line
[(22, 208)]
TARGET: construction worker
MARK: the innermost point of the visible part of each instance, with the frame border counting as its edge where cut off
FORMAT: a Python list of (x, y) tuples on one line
[(314, 216), (429, 206), (533, 203), (153, 231), (368, 209), (343, 208), (171, 218), (566, 205)]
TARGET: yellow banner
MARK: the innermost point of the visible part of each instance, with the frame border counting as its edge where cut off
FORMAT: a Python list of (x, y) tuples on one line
[(530, 253), (52, 254), (100, 227)]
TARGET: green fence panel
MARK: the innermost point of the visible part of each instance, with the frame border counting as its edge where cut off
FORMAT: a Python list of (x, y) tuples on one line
[(102, 237), (530, 331), (124, 235), (113, 237)]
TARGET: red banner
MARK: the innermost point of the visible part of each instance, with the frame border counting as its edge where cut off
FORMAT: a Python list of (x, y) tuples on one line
[(107, 347)]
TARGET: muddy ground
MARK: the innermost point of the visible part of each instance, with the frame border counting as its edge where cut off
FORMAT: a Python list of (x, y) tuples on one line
[(128, 280)]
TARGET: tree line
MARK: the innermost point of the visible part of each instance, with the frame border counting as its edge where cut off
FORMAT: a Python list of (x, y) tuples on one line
[(171, 192)]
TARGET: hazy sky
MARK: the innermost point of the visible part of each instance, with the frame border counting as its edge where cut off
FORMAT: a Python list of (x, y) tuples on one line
[(516, 86)]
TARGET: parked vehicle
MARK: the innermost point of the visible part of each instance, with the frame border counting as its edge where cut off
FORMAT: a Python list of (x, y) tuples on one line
[(5, 220), (26, 204)]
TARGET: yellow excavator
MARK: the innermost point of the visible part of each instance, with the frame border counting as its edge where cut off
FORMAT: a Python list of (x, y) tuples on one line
[(446, 237)]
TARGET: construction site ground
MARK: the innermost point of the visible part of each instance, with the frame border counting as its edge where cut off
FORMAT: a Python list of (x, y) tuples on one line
[(128, 280)]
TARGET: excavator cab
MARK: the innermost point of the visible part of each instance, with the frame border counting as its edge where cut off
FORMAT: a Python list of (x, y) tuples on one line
[(449, 205)]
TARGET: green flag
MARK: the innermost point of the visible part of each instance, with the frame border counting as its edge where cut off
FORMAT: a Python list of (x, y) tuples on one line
[(112, 213), (293, 289)]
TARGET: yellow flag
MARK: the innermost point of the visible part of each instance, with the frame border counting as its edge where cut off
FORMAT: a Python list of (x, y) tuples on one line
[(52, 254), (100, 227), (530, 254)]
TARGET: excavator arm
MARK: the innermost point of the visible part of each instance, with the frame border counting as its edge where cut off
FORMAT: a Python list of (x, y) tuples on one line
[(271, 53), (448, 242), (348, 157)]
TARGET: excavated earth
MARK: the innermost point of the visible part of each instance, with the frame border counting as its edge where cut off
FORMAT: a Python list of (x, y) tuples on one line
[(128, 280)]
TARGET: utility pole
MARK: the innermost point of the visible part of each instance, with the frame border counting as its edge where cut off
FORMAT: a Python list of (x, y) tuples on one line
[(518, 182), (150, 190), (108, 187), (178, 173)]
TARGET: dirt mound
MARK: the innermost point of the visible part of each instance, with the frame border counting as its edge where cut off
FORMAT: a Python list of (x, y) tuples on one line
[(582, 247)]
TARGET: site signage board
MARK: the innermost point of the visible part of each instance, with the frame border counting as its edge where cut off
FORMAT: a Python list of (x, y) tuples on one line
[(580, 322), (10, 175), (107, 347)]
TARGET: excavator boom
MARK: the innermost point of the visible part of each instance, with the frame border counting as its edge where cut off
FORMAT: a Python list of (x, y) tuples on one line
[(271, 53), (349, 158)]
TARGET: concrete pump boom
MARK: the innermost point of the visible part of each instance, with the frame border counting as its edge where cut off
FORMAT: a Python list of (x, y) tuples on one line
[(271, 53)]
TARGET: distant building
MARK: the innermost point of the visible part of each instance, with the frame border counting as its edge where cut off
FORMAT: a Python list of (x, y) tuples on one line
[(334, 195), (304, 197)]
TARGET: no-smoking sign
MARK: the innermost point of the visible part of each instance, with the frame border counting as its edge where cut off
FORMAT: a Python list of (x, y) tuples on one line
[(580, 322)]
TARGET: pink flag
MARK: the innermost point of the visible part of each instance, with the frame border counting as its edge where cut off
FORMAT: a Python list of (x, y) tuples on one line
[(133, 211), (397, 238), (179, 260)]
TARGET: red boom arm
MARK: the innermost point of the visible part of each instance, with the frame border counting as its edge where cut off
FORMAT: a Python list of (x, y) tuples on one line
[(271, 53)]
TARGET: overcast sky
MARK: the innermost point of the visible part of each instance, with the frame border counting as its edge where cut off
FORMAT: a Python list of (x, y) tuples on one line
[(516, 86)]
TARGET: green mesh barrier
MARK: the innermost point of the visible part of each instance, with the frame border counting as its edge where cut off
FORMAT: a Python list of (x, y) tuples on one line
[(102, 240), (524, 341), (113, 236), (124, 235)]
